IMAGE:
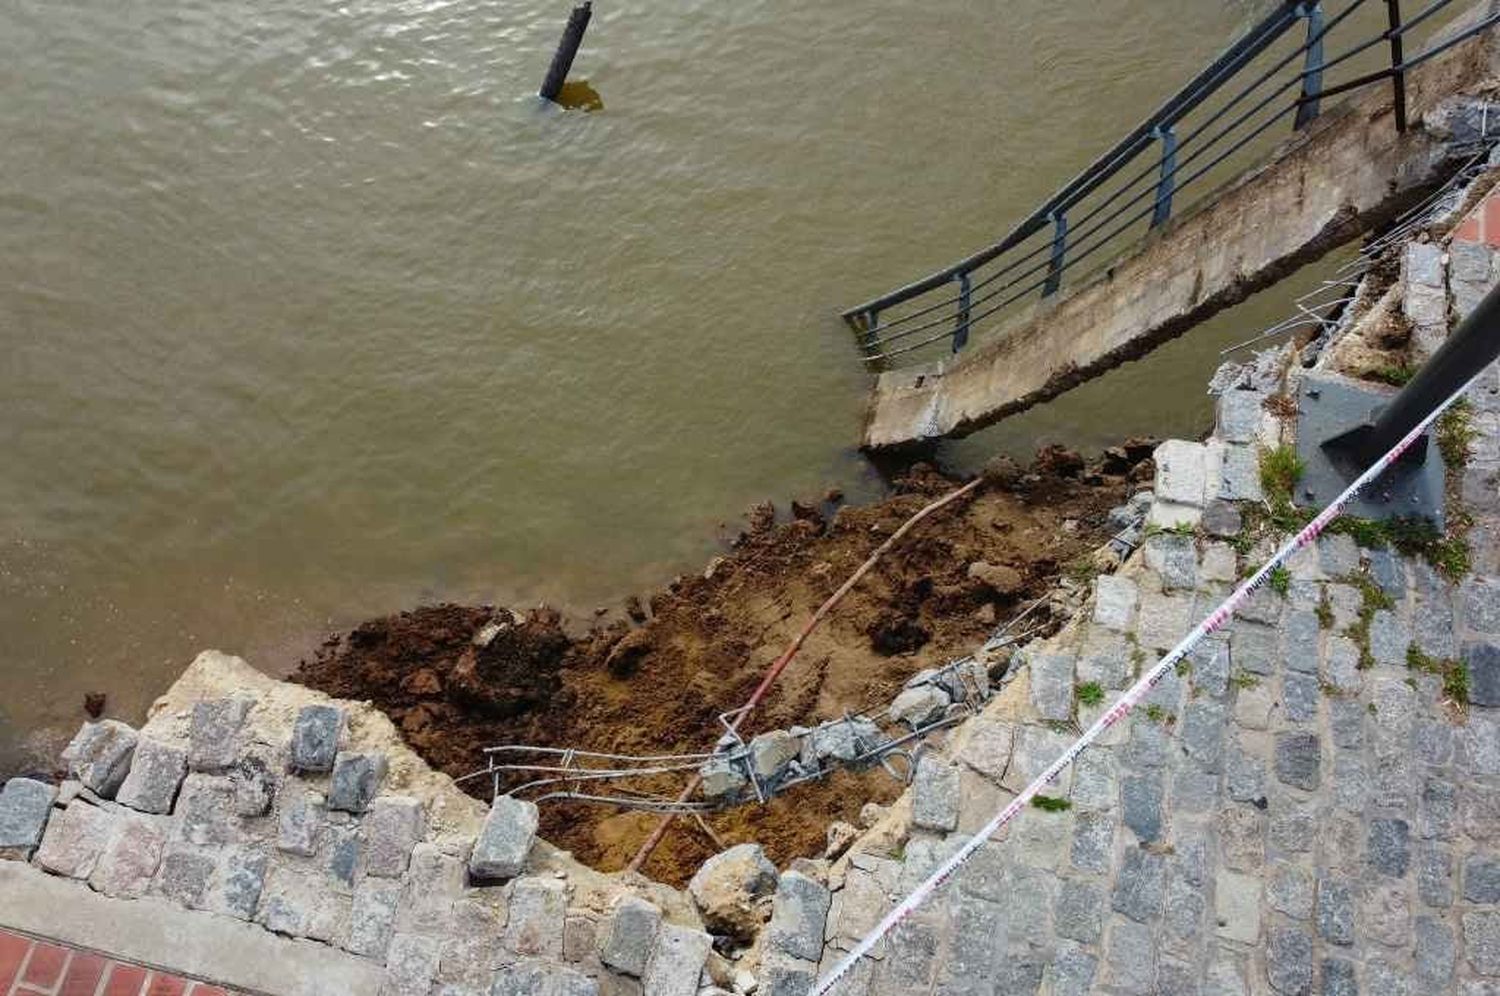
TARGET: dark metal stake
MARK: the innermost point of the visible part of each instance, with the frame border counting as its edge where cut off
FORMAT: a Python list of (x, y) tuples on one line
[(1167, 184), (567, 50), (1059, 248), (1312, 70), (1398, 79), (1474, 345), (961, 325)]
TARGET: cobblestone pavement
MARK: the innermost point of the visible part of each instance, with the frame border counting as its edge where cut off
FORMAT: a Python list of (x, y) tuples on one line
[(1301, 808)]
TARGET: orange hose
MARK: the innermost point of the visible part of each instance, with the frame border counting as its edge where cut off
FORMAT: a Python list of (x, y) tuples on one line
[(781, 662)]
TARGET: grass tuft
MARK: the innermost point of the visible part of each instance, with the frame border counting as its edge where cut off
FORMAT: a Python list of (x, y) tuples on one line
[(1090, 693), (1456, 432)]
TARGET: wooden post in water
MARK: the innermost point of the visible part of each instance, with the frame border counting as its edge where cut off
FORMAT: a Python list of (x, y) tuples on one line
[(567, 49)]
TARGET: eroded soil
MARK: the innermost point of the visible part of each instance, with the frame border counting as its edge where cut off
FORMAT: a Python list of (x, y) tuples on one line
[(658, 684)]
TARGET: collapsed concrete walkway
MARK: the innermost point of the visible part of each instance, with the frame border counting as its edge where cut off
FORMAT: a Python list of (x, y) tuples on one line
[(1348, 173)]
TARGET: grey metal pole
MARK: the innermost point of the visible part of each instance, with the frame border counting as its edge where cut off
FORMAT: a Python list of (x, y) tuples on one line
[(567, 50), (1474, 345)]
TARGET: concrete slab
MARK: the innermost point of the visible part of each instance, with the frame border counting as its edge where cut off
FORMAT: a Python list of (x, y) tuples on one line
[(1349, 171), (156, 933)]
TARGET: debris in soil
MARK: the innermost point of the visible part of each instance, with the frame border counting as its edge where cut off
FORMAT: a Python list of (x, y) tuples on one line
[(659, 686), (93, 704)]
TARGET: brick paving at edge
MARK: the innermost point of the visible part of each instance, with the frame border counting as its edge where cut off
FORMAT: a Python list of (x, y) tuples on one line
[(41, 968)]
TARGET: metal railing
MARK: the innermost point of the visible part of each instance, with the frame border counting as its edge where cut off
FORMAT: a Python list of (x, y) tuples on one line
[(1187, 144)]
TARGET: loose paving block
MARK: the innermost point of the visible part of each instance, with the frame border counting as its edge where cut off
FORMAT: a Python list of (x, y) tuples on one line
[(341, 850), (798, 916), (130, 856), (372, 917), (676, 962), (411, 965), (239, 878), (538, 908), (214, 737), (393, 826), (296, 901), (156, 772), (254, 786), (99, 756), (300, 825), (626, 943), (1052, 685), (505, 839), (356, 780), (315, 738), (1298, 760), (988, 748), (24, 807), (1115, 599), (204, 813), (434, 881), (74, 840), (184, 874), (935, 794), (1181, 472)]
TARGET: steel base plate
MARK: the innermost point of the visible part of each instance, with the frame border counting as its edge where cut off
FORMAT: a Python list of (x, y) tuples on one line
[(1330, 406)]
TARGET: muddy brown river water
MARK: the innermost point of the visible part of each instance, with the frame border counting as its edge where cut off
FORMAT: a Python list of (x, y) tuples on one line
[(309, 311)]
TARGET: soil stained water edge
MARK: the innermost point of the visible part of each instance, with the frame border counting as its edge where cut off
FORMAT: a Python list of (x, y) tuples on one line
[(312, 312)]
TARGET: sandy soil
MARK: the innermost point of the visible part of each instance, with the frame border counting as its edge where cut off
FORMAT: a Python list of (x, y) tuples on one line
[(658, 684)]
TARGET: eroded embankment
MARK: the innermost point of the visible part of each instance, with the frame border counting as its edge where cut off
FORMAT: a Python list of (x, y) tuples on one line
[(659, 685)]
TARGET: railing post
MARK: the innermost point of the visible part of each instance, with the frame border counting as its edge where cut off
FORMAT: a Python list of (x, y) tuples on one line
[(1059, 249), (1168, 182), (1398, 78), (870, 333), (961, 323), (567, 50), (1312, 69)]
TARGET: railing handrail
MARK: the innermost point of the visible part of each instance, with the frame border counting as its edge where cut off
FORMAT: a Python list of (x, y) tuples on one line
[(1176, 107), (1126, 186)]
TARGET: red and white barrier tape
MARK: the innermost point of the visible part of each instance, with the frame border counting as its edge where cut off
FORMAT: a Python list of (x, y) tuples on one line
[(1130, 699)]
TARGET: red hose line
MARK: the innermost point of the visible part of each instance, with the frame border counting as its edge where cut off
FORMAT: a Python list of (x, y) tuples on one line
[(780, 664)]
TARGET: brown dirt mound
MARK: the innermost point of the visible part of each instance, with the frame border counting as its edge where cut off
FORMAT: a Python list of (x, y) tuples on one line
[(660, 687)]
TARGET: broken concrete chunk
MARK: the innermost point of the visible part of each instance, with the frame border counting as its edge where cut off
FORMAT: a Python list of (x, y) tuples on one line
[(356, 780), (721, 777), (846, 739), (99, 756), (630, 935), (505, 839), (729, 887), (771, 752), (919, 706), (24, 807), (213, 743), (315, 738), (155, 775)]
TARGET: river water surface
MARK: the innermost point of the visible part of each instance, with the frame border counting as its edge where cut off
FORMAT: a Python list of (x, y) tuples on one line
[(310, 312)]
